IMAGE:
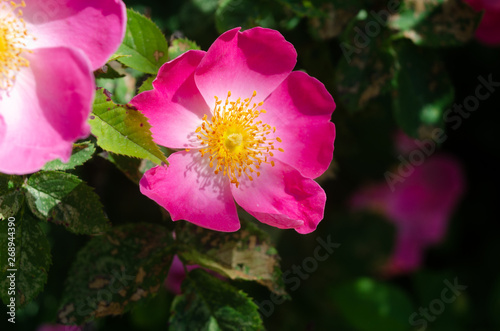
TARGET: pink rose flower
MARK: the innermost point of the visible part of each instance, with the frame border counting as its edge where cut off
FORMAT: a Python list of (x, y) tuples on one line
[(48, 50), (488, 31), (419, 207), (248, 129)]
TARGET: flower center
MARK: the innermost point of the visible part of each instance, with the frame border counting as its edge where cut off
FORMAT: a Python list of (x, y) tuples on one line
[(235, 142), (13, 37)]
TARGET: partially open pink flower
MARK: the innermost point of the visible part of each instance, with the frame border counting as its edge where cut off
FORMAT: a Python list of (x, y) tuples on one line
[(488, 30), (176, 275), (419, 207), (249, 129), (48, 50)]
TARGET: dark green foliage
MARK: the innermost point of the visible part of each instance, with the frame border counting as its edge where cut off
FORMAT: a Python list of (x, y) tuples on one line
[(64, 199), (420, 70), (11, 196), (30, 263), (453, 22), (208, 303), (373, 306), (115, 270)]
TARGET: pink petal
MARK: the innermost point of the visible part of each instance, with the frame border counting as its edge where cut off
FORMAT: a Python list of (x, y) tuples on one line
[(46, 111), (176, 275), (476, 4), (300, 109), (175, 107), (242, 62), (407, 255), (95, 26), (3, 129), (189, 190), (427, 197), (282, 197), (491, 4), (488, 31), (484, 4)]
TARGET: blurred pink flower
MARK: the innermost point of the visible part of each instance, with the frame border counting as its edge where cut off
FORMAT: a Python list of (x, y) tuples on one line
[(48, 50), (231, 148), (404, 144), (488, 30), (419, 207)]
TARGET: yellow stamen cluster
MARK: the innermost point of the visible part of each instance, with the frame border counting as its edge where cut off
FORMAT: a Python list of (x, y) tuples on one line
[(235, 141), (13, 37)]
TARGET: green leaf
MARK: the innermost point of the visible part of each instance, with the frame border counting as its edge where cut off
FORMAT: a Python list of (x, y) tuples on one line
[(369, 305), (122, 90), (147, 85), (151, 314), (107, 72), (114, 271), (206, 6), (82, 152), (181, 46), (64, 199), (11, 195), (31, 261), (123, 130), (366, 68), (437, 23), (144, 43), (247, 254), (208, 303), (423, 90), (115, 57)]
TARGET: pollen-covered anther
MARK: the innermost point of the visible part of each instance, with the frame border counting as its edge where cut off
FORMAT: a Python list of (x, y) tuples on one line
[(13, 42), (234, 140)]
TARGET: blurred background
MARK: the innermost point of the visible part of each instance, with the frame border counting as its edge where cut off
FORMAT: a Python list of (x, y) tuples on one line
[(414, 226)]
